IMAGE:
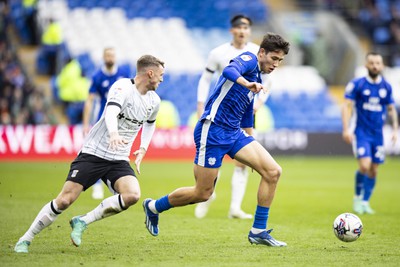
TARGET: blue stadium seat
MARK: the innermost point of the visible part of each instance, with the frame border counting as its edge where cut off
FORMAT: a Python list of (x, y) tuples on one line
[(209, 13)]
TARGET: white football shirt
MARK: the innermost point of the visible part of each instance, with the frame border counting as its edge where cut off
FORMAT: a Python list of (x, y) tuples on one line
[(136, 109), (218, 59)]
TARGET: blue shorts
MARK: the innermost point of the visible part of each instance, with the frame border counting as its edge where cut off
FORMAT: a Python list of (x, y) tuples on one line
[(214, 142), (367, 148)]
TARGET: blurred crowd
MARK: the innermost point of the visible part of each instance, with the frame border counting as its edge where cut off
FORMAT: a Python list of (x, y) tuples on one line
[(379, 19), (20, 101)]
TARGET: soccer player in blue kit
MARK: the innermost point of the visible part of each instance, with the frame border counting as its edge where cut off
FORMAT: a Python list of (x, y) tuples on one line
[(219, 132), (370, 96), (102, 80)]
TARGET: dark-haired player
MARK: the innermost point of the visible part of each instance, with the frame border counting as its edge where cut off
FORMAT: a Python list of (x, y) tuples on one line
[(219, 132)]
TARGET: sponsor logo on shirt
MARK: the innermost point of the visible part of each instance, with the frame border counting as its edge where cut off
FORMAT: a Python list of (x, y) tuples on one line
[(373, 104), (122, 116)]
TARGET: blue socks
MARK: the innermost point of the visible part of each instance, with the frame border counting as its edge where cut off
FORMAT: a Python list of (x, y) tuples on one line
[(261, 217), (369, 184), (359, 183), (162, 204), (365, 184)]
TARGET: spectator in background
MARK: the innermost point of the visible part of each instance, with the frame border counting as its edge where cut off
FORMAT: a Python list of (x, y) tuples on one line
[(52, 40), (4, 11), (372, 98), (5, 117), (101, 83), (73, 90), (381, 21), (30, 15), (395, 32), (16, 92), (40, 109)]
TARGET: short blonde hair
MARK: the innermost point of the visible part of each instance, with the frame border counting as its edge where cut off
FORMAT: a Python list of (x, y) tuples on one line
[(147, 61)]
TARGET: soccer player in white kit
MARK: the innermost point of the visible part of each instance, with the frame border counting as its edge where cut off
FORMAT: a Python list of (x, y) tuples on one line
[(132, 105), (101, 82), (218, 59)]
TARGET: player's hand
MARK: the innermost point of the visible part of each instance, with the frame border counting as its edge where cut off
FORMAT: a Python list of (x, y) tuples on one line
[(139, 156), (348, 137), (116, 140), (255, 87), (394, 137), (265, 90)]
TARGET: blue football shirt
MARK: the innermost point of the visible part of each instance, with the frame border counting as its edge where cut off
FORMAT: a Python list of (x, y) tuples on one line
[(101, 83), (370, 100), (231, 105)]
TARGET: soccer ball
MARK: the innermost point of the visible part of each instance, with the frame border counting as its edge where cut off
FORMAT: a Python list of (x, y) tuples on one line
[(347, 227)]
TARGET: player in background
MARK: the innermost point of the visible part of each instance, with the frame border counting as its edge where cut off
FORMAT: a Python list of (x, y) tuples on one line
[(370, 97), (102, 80), (132, 105), (218, 59), (218, 132)]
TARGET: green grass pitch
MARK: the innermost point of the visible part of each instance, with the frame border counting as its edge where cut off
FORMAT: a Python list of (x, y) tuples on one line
[(311, 193)]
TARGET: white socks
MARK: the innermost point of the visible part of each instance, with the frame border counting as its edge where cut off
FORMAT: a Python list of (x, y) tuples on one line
[(108, 207), (256, 230), (47, 215), (239, 182), (152, 207)]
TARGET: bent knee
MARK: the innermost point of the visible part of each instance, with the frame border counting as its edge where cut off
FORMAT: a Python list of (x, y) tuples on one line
[(203, 196), (372, 174), (131, 198), (63, 202), (364, 170), (274, 174)]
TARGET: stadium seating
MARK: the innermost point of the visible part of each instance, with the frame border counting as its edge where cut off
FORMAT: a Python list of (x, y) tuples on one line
[(171, 30)]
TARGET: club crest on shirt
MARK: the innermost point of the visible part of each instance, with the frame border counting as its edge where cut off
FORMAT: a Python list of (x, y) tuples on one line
[(382, 92), (366, 92), (245, 57), (211, 161), (105, 83)]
